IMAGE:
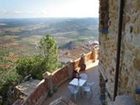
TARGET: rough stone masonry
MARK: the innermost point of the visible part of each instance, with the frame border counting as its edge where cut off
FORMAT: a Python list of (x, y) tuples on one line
[(129, 77)]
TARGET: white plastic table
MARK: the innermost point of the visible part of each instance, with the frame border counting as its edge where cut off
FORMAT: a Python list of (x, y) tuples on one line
[(76, 82)]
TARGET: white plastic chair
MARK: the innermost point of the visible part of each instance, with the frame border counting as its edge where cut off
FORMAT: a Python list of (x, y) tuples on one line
[(73, 90), (83, 76), (88, 88), (91, 84)]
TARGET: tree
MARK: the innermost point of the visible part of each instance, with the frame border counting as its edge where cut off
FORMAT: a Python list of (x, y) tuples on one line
[(49, 51)]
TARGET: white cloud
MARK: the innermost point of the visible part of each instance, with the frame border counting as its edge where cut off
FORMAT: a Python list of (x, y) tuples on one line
[(11, 14), (3, 11), (67, 8), (79, 8)]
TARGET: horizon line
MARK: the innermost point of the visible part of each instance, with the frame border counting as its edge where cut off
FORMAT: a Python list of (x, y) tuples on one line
[(48, 17)]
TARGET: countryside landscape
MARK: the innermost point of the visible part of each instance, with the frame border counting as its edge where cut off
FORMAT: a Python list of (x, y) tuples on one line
[(20, 38)]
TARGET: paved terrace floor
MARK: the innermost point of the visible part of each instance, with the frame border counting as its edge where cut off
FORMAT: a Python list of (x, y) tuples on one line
[(93, 76)]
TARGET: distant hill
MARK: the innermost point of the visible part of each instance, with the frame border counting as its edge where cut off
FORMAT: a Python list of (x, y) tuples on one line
[(26, 33), (20, 37), (27, 27), (70, 45)]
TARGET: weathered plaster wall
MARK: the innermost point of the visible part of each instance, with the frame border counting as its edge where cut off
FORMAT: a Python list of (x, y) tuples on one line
[(129, 78)]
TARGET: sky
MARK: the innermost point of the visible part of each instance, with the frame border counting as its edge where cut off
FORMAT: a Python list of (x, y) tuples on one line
[(48, 8)]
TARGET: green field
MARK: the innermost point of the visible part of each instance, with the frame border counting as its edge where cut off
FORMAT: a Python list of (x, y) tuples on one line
[(22, 36)]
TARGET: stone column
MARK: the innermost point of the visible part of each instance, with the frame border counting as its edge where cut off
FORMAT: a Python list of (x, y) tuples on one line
[(83, 58), (82, 63), (95, 54), (70, 68), (48, 79)]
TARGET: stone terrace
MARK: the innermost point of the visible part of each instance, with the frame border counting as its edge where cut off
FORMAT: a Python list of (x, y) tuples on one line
[(93, 76), (60, 78)]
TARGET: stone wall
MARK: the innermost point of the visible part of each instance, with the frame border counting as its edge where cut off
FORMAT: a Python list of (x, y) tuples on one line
[(129, 77), (60, 76), (130, 61), (38, 95), (108, 39), (52, 81)]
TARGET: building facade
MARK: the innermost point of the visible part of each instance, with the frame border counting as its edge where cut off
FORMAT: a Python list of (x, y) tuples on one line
[(119, 39)]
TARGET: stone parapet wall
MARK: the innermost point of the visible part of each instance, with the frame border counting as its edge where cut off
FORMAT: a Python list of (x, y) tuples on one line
[(55, 79), (76, 63), (60, 76), (38, 95), (89, 56)]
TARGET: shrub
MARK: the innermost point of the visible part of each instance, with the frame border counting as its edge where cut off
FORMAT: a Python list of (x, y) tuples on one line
[(9, 79), (37, 65), (31, 65), (24, 66), (49, 51)]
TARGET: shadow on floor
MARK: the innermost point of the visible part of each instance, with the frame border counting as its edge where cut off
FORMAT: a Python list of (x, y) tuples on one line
[(93, 76)]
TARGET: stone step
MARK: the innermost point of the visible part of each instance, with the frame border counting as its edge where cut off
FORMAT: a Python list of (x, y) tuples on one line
[(123, 100)]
